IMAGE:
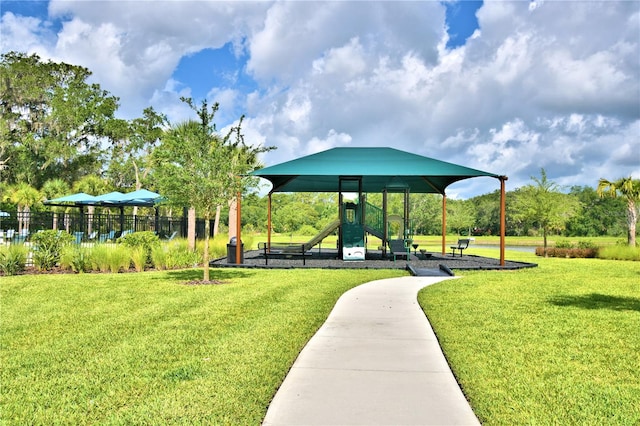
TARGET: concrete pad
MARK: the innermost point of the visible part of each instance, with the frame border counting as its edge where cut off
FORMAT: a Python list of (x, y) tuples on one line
[(375, 361)]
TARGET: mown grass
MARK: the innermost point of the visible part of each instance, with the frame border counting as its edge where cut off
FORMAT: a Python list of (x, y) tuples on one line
[(143, 348), (556, 344)]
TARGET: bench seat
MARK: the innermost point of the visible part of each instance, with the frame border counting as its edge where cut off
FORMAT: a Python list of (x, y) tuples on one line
[(283, 251)]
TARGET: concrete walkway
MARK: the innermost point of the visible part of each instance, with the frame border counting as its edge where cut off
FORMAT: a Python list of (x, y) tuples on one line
[(375, 361)]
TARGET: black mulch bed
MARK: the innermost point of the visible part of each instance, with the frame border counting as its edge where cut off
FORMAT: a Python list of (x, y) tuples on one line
[(429, 264)]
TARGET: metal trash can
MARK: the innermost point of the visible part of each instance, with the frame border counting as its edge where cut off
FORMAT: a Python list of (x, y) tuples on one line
[(231, 251)]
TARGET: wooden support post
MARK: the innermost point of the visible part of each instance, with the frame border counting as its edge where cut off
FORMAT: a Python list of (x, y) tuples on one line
[(444, 222), (269, 224), (503, 215)]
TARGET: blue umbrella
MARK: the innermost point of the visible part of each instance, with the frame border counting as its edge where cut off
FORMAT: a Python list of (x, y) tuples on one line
[(78, 198)]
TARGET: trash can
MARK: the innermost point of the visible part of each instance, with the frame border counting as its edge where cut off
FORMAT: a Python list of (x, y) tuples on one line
[(231, 251)]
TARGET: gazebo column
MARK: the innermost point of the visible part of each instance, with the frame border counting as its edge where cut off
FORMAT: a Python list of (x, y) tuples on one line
[(385, 231), (269, 224), (406, 213), (503, 215), (444, 221)]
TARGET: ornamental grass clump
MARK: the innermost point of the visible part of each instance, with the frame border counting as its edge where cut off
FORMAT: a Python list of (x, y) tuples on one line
[(119, 259), (76, 258), (139, 258), (100, 258), (13, 259)]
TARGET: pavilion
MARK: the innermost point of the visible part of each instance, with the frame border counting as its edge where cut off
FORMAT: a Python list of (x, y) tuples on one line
[(372, 170)]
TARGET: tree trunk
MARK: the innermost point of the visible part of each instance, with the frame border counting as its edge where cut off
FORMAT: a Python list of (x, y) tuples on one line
[(544, 237), (216, 223), (632, 219), (191, 228), (205, 256)]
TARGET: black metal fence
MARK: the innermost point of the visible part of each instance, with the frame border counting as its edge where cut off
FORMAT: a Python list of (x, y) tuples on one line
[(88, 226)]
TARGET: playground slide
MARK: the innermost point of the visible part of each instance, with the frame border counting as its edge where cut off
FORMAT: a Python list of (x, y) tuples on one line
[(322, 235)]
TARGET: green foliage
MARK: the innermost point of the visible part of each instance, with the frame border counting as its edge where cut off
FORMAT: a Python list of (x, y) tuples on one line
[(307, 230), (543, 206), (564, 244), (100, 257), (119, 258), (13, 259), (629, 189), (56, 119), (587, 244), (620, 252), (145, 240), (47, 247), (556, 344), (140, 258), (174, 254), (76, 258)]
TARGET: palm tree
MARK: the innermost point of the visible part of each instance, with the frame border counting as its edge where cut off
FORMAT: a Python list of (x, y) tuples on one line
[(24, 196), (628, 188)]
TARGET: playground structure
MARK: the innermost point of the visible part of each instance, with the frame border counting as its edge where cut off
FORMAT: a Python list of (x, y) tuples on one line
[(361, 171)]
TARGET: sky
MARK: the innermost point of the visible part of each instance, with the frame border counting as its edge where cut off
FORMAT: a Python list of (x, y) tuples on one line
[(507, 87)]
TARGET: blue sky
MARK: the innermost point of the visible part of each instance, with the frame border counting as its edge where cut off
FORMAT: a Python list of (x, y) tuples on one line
[(508, 87)]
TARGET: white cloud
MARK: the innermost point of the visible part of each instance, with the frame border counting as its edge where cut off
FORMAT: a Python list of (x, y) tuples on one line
[(539, 84)]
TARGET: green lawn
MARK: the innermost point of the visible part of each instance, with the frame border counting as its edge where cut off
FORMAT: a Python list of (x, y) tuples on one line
[(556, 344), (142, 348)]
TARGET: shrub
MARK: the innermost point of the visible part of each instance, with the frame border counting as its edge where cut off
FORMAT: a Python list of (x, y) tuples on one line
[(307, 230), (47, 247), (13, 259), (564, 244), (146, 240), (175, 254), (76, 259), (619, 252), (568, 252), (587, 245)]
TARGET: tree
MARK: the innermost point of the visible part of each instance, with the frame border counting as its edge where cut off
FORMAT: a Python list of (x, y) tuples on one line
[(544, 206), (24, 196), (196, 166), (52, 120), (132, 143), (629, 189), (598, 216), (426, 213), (460, 215)]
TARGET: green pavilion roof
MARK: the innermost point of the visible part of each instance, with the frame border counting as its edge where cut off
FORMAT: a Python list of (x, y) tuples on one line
[(379, 168)]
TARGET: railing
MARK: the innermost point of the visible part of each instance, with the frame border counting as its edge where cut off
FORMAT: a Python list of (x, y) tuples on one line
[(98, 223), (374, 218)]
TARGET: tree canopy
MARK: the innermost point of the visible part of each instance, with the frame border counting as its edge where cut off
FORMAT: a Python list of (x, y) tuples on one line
[(52, 120)]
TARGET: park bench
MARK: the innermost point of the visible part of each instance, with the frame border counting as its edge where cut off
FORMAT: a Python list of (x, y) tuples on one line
[(400, 248), (283, 251), (463, 243)]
